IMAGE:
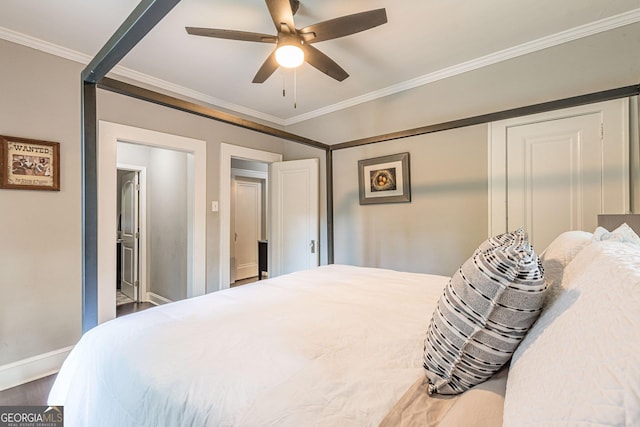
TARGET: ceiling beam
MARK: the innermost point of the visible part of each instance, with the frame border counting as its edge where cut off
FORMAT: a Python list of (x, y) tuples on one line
[(143, 18), (200, 110), (574, 101)]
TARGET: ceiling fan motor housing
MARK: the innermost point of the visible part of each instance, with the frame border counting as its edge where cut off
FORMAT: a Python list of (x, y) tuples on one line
[(289, 39)]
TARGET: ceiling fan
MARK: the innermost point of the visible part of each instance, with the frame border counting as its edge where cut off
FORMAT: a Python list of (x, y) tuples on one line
[(295, 45)]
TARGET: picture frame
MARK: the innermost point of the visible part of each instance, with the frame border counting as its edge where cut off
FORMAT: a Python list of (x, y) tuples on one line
[(385, 179), (29, 164)]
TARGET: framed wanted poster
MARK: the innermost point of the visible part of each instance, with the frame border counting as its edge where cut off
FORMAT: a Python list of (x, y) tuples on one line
[(29, 164)]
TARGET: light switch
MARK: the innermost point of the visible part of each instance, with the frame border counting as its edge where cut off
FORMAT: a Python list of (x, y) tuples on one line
[(214, 206)]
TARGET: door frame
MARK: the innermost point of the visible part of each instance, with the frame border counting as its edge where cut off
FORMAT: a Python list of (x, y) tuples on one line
[(228, 151), (196, 149), (497, 151), (143, 266)]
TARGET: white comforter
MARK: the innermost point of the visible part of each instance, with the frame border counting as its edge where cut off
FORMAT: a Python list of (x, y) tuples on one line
[(334, 346)]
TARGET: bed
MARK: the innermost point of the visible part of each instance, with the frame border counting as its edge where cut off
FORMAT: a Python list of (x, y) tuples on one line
[(345, 346)]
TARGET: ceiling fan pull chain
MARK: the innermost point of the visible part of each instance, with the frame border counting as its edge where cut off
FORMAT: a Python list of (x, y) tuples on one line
[(284, 92), (295, 88)]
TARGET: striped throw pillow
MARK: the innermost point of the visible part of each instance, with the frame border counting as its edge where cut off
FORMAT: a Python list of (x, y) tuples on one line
[(485, 311), (514, 238)]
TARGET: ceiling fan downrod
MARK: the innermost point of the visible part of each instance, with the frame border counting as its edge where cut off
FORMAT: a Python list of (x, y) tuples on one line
[(295, 4)]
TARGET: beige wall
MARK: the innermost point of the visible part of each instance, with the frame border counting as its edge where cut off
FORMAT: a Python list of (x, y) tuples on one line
[(40, 231), (443, 224), (167, 179)]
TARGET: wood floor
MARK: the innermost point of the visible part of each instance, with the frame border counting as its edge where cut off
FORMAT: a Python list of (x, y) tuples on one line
[(36, 392), (132, 307), (33, 393), (244, 282)]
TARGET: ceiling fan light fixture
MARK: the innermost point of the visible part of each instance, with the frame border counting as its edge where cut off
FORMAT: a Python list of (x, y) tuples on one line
[(289, 54)]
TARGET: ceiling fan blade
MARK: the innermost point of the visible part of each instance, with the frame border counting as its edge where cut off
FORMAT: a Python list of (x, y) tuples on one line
[(323, 63), (268, 67), (344, 26), (232, 35), (281, 13)]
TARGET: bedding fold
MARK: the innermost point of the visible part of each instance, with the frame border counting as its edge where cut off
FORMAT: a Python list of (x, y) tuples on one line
[(337, 345), (480, 406)]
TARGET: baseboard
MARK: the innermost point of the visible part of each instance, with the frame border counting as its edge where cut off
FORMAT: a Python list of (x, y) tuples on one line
[(32, 368), (157, 299)]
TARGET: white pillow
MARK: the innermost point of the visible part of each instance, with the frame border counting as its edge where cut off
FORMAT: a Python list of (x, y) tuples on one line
[(566, 246), (558, 255), (624, 233), (580, 362)]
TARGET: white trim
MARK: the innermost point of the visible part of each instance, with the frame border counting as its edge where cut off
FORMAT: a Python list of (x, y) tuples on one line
[(227, 151), (143, 267), (589, 29), (44, 46), (32, 368), (157, 299), (109, 135), (247, 173)]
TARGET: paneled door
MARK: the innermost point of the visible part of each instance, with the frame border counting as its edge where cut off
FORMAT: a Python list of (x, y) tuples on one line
[(248, 226), (564, 168), (295, 221), (129, 234)]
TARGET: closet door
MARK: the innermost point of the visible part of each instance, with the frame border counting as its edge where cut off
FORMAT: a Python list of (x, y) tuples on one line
[(559, 170)]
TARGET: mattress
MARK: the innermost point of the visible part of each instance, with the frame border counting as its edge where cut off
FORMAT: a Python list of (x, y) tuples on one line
[(336, 345)]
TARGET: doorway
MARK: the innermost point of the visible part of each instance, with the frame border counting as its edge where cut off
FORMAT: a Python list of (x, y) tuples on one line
[(194, 154), (131, 253), (229, 152), (293, 204), (249, 183)]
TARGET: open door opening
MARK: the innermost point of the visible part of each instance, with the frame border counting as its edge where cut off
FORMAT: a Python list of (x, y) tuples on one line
[(285, 220), (249, 182), (128, 260)]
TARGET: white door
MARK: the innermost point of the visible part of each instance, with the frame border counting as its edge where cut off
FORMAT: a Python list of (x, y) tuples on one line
[(129, 235), (565, 168), (248, 226), (294, 222)]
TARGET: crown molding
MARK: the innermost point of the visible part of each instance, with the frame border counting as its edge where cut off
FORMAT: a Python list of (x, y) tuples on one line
[(572, 34), (72, 55), (43, 46), (606, 24)]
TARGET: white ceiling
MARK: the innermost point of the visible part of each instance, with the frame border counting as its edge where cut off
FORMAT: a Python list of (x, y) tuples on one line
[(423, 41)]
